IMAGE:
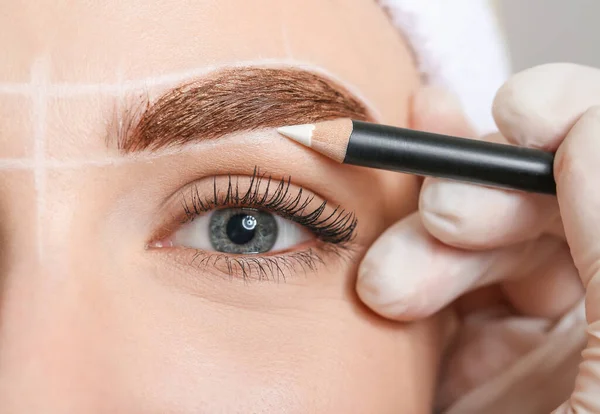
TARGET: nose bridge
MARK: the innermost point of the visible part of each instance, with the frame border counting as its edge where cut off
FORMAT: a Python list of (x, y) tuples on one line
[(49, 342)]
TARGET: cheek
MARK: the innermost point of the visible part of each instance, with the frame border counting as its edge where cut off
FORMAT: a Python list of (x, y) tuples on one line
[(309, 347), (293, 361)]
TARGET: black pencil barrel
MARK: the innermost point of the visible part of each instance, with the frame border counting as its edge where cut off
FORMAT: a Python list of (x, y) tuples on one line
[(422, 153)]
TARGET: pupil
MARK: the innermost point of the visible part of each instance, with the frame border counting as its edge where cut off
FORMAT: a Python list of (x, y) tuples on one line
[(241, 228)]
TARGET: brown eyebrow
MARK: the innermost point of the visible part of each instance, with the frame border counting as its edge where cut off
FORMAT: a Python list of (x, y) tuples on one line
[(236, 100)]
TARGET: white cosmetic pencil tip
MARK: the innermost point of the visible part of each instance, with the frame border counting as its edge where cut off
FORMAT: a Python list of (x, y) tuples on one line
[(299, 133)]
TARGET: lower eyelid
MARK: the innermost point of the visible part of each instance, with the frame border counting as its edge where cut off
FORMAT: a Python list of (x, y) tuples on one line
[(274, 268)]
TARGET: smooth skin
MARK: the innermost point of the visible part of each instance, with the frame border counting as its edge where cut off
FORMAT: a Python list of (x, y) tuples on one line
[(93, 322), (479, 247)]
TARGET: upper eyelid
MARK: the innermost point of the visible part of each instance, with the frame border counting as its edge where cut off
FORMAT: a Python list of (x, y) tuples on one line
[(295, 203), (338, 226)]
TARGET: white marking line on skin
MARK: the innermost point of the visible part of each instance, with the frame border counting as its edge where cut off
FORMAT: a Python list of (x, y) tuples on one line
[(121, 105), (40, 89), (249, 139), (172, 79), (252, 139), (75, 163), (39, 83), (15, 89), (70, 164), (17, 164)]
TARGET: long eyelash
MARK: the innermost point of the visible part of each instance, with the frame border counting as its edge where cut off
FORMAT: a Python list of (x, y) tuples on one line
[(337, 227)]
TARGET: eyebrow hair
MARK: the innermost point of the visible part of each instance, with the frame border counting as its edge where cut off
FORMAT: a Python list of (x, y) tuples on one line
[(234, 100)]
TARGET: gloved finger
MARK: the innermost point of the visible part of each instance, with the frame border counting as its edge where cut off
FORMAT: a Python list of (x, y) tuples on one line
[(407, 274), (577, 171), (534, 108), (448, 209), (488, 342), (432, 109), (537, 107), (550, 291), (474, 217)]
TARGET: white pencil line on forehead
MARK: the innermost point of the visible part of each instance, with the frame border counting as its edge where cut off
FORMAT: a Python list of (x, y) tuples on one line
[(243, 138), (39, 80), (40, 90), (17, 164), (16, 89)]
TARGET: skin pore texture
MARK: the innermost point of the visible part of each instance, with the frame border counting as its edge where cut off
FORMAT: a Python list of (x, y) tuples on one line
[(96, 316)]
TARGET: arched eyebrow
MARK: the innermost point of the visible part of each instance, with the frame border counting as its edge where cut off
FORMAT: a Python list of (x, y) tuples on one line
[(234, 100)]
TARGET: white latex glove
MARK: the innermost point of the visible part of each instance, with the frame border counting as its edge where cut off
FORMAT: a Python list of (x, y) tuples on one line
[(502, 259)]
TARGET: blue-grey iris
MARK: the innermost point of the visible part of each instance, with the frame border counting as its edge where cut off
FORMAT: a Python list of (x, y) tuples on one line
[(242, 231)]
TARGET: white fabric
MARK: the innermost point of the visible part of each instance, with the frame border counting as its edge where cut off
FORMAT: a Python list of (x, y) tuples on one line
[(459, 45)]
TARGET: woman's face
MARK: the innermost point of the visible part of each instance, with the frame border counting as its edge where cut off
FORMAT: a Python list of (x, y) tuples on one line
[(163, 249)]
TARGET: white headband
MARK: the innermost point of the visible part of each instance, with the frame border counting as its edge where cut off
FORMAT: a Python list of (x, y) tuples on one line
[(458, 45)]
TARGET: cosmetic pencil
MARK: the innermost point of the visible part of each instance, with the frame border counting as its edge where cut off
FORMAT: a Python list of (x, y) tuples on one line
[(422, 153)]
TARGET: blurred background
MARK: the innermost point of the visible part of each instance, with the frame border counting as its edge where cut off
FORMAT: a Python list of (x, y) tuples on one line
[(542, 31)]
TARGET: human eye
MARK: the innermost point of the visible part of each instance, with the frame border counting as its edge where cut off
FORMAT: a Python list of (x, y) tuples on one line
[(256, 227), (241, 230)]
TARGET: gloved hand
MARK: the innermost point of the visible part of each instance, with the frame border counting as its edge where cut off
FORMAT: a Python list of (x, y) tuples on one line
[(508, 263)]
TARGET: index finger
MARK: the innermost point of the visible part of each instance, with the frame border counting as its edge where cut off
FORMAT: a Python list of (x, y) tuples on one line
[(535, 108), (539, 106)]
